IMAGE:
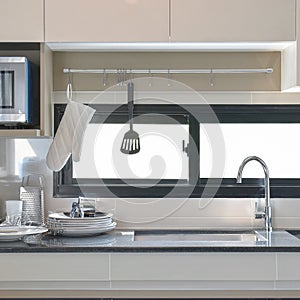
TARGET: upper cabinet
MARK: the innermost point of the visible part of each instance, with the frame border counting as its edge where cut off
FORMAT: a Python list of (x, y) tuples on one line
[(290, 61), (232, 20), (106, 21), (22, 20)]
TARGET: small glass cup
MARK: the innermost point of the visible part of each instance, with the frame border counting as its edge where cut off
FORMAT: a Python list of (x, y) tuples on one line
[(13, 212)]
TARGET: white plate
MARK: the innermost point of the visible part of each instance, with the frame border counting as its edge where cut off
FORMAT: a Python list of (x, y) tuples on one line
[(82, 221), (65, 224), (83, 231), (15, 233), (62, 216)]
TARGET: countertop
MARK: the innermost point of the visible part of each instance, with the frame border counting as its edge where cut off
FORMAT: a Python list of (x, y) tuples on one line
[(124, 241)]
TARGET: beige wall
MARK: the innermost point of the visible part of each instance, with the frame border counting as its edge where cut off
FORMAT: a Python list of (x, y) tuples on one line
[(228, 89), (171, 213), (171, 60), (218, 213)]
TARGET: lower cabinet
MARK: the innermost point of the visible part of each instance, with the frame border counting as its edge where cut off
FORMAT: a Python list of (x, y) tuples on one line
[(106, 275), (193, 270), (33, 270), (288, 266)]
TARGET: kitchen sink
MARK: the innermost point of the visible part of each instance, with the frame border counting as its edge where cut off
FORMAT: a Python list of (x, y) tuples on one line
[(198, 236), (295, 233)]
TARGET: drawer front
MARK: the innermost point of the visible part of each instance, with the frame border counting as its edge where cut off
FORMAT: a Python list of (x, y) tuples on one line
[(54, 267), (193, 266), (288, 266)]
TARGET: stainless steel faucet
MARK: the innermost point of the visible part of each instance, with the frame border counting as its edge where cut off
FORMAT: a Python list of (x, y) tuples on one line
[(267, 214)]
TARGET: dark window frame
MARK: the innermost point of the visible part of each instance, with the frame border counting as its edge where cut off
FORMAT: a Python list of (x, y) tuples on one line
[(65, 186)]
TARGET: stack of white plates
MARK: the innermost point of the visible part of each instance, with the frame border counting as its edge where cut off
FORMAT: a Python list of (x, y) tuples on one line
[(63, 224)]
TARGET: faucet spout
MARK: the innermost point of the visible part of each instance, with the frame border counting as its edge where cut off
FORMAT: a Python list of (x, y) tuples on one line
[(267, 214)]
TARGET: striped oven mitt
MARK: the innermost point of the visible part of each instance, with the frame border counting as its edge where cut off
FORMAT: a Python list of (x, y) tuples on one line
[(69, 136)]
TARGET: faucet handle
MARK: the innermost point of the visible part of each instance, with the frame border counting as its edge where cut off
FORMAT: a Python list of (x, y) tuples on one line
[(259, 214)]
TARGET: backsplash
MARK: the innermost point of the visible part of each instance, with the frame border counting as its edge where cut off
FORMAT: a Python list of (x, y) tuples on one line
[(20, 156), (218, 213), (23, 156), (118, 95), (192, 213)]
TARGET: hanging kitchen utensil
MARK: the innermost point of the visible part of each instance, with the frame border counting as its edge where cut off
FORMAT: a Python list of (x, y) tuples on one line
[(131, 140)]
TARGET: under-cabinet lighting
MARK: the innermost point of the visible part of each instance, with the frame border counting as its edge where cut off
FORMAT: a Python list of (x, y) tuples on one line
[(155, 46), (295, 89)]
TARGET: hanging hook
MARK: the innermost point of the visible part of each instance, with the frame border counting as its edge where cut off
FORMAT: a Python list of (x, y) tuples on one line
[(69, 87), (125, 75), (169, 78), (104, 80), (131, 75), (118, 77), (150, 78), (122, 76), (211, 78)]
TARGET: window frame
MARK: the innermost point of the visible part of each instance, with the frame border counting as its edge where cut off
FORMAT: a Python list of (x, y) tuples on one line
[(64, 186)]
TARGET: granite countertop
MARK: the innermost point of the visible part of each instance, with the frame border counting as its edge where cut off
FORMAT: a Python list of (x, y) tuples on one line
[(124, 241)]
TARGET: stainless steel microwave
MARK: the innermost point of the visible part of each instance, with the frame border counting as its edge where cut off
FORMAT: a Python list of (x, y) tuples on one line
[(15, 90)]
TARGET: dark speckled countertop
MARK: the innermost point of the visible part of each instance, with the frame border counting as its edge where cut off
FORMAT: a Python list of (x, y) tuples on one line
[(124, 241)]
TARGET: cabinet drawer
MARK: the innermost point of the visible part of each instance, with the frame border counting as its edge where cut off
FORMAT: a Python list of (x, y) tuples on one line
[(288, 265), (193, 266), (54, 267)]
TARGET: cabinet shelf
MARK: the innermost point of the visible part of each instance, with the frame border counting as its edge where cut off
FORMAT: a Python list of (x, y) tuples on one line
[(23, 133)]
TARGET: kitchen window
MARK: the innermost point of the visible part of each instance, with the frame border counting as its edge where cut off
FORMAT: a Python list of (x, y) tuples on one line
[(177, 140), (162, 163), (160, 158), (277, 144)]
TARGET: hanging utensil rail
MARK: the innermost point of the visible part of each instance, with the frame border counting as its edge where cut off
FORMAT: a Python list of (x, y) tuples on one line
[(169, 71)]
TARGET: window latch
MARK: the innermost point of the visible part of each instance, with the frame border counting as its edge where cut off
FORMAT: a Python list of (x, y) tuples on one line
[(185, 148)]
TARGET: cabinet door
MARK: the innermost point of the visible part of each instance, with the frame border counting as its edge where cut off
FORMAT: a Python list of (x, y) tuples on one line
[(232, 20), (193, 266), (21, 21), (53, 267), (287, 266), (290, 58), (106, 20)]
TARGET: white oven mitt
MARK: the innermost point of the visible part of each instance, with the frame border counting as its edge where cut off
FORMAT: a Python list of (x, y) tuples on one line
[(69, 136)]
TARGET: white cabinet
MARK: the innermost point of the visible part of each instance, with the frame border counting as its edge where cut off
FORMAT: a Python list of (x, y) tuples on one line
[(288, 271), (193, 267), (288, 265), (232, 20), (106, 20), (53, 267), (21, 20), (290, 60)]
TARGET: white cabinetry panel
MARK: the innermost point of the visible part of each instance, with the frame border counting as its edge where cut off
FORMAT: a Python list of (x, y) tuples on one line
[(193, 266), (54, 267), (106, 21), (22, 20), (288, 265), (232, 20)]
